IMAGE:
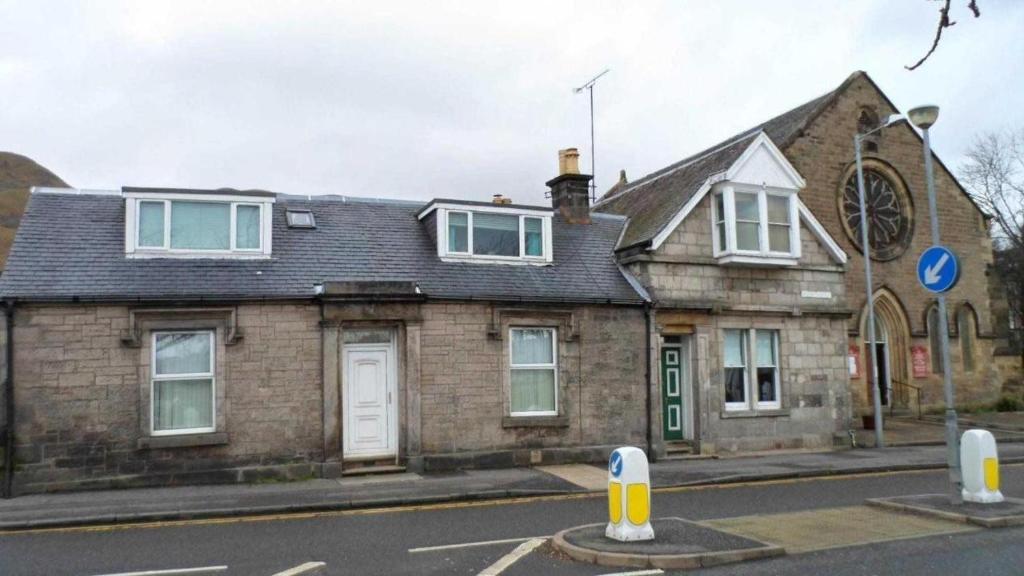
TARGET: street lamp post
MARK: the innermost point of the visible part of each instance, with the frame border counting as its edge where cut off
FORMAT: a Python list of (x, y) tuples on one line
[(876, 393), (924, 117)]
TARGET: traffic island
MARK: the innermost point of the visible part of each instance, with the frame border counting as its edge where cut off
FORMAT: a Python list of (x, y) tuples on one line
[(679, 545), (1009, 512)]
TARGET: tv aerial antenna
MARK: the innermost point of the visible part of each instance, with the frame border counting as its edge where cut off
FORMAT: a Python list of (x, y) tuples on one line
[(589, 87)]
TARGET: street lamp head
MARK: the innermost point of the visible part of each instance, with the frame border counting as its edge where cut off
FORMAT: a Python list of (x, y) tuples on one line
[(894, 119), (923, 116)]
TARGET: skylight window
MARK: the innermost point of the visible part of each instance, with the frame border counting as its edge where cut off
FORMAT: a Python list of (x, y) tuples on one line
[(196, 224), (300, 219)]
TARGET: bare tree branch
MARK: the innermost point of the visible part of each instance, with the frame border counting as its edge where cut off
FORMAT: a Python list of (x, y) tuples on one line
[(944, 22)]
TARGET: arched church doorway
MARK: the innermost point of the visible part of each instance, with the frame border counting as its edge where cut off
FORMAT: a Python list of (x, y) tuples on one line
[(892, 344)]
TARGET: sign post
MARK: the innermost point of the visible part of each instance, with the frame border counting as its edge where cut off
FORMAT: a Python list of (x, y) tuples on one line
[(629, 496)]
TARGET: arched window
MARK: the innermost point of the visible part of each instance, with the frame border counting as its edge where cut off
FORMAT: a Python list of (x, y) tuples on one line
[(965, 326), (935, 340)]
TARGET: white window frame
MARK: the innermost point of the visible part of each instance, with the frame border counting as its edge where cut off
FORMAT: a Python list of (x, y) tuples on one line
[(553, 366), (134, 249), (751, 396), (154, 378), (730, 253), (445, 252)]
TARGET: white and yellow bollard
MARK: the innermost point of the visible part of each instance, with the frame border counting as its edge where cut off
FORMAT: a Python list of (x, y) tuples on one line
[(629, 496), (980, 465)]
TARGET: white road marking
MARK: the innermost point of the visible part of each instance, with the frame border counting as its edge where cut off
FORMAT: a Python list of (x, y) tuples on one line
[(653, 572), (511, 558), (472, 544), (307, 568), (174, 572)]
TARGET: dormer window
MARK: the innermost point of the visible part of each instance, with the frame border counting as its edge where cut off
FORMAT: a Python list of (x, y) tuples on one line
[(197, 224), (755, 225), (505, 234)]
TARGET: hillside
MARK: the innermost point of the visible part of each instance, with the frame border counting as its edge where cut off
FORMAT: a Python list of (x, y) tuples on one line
[(17, 175)]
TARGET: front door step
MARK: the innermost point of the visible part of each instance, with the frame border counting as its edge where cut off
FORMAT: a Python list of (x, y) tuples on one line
[(370, 466)]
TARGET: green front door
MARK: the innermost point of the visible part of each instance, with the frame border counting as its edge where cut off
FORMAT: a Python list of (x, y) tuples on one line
[(672, 393)]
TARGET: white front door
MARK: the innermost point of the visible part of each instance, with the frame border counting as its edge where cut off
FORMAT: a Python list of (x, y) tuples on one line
[(370, 424)]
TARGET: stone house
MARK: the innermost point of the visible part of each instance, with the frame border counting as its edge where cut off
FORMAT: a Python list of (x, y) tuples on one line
[(700, 286), (178, 336), (749, 299)]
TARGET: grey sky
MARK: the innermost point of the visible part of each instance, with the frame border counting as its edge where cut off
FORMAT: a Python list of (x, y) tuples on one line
[(432, 99)]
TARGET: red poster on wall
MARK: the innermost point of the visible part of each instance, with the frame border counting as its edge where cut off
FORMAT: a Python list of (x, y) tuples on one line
[(854, 361), (919, 358)]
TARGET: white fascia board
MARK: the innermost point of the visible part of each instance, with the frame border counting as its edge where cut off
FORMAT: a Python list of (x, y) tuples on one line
[(821, 234), (683, 212), (496, 209), (241, 198), (763, 141)]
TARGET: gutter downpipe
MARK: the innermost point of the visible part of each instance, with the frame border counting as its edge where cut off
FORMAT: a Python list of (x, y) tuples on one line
[(8, 483), (647, 353)]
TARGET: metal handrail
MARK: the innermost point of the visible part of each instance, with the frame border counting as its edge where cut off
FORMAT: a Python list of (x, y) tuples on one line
[(917, 391)]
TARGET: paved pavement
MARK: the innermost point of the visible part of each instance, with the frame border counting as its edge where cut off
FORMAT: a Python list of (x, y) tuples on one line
[(1007, 427), (153, 504), (469, 537)]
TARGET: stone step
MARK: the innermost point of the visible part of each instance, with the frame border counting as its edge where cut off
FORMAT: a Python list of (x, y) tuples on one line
[(375, 469)]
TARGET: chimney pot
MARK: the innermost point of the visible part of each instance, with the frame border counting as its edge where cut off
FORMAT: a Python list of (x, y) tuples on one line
[(500, 199), (568, 161)]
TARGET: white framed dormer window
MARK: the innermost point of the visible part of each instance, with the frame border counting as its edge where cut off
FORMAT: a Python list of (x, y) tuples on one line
[(182, 393), (755, 225), (533, 371), (197, 225), (495, 234), (751, 369)]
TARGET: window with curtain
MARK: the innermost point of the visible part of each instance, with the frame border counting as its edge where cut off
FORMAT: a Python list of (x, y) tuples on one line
[(471, 233), (935, 340), (151, 224), (965, 326), (458, 232), (247, 227), (748, 222), (534, 371), (753, 223), (533, 236), (767, 359), (495, 234), (187, 225), (735, 368), (751, 374), (183, 382), (778, 223)]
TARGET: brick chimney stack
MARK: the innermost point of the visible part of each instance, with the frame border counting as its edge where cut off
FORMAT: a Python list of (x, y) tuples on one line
[(570, 190)]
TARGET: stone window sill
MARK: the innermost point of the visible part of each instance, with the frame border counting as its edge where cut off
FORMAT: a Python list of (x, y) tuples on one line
[(727, 414), (183, 441), (535, 422)]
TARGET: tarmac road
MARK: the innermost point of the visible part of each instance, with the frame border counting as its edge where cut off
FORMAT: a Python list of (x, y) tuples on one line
[(379, 541)]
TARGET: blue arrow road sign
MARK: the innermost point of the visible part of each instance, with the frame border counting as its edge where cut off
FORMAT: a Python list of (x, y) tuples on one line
[(615, 464), (938, 269)]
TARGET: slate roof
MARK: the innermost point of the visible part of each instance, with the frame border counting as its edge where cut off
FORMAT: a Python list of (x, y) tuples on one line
[(71, 246), (652, 201)]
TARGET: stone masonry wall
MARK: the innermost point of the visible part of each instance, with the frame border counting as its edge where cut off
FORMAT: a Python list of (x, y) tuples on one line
[(80, 415), (684, 275), (464, 396), (683, 269)]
